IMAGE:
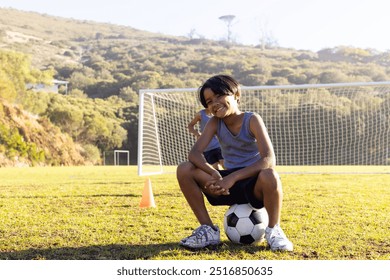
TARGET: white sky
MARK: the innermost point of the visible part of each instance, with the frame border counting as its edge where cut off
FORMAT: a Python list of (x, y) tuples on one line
[(299, 24)]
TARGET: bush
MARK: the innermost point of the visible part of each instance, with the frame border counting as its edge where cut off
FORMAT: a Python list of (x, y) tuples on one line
[(13, 145), (92, 154)]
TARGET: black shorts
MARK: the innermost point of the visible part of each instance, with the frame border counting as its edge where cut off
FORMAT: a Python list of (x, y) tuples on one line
[(213, 156), (240, 193)]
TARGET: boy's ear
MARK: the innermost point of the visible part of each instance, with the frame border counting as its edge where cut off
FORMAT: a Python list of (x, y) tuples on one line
[(237, 96)]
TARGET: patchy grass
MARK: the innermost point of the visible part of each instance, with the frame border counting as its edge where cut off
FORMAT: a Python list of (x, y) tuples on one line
[(93, 213)]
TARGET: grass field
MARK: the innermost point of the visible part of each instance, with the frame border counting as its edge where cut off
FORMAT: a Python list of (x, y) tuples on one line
[(93, 213)]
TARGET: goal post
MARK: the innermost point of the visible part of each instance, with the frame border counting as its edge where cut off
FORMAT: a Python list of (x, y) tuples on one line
[(116, 157), (346, 124), (162, 133)]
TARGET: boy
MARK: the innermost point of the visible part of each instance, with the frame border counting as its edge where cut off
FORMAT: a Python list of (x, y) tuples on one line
[(249, 161)]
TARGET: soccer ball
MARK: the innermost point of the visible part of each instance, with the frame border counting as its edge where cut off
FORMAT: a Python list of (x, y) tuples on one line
[(244, 224)]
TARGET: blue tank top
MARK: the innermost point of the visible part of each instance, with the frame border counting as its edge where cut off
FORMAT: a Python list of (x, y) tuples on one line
[(204, 118), (238, 150)]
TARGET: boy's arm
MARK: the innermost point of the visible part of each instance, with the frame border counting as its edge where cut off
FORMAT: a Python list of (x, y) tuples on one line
[(264, 144), (191, 125)]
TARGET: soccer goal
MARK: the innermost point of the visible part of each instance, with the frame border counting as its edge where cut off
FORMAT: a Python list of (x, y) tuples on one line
[(116, 157), (310, 125)]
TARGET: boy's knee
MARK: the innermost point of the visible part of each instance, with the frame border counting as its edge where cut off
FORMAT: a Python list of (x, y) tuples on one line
[(269, 177), (269, 173), (184, 168)]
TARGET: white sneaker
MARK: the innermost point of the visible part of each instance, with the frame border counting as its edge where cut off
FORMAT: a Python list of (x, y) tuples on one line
[(277, 240), (202, 237)]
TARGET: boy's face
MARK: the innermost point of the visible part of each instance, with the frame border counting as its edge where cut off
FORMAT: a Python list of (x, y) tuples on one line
[(220, 105)]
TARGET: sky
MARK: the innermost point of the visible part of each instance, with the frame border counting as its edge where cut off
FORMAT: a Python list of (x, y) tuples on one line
[(299, 24)]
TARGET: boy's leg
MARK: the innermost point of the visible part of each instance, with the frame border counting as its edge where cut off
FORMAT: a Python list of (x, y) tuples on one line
[(189, 178), (269, 188)]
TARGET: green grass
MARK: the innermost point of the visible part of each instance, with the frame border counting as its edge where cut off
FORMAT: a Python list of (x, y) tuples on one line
[(93, 213)]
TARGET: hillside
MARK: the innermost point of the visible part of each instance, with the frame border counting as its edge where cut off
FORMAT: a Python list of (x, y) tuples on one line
[(103, 59), (111, 63), (50, 39), (43, 141)]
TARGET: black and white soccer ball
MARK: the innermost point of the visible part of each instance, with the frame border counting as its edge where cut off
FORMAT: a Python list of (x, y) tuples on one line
[(244, 224)]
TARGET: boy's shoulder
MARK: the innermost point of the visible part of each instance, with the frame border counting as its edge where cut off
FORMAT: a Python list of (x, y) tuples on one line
[(250, 114)]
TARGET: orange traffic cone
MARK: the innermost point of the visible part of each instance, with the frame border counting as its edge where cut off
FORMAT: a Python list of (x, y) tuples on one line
[(147, 199)]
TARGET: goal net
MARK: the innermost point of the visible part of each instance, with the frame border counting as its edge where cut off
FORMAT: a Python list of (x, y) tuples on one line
[(309, 125)]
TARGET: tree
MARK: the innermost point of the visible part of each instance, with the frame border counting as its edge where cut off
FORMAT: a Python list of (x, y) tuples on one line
[(228, 19), (128, 94), (16, 72), (69, 118), (266, 38), (7, 88)]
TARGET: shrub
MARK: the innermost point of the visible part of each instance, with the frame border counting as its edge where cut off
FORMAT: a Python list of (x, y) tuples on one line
[(13, 145), (92, 154)]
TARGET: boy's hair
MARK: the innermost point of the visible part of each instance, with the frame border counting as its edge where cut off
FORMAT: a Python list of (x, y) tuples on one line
[(220, 85)]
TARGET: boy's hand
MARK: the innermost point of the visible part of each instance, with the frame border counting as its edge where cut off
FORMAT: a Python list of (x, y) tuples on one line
[(217, 189), (216, 175), (225, 184), (215, 184)]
